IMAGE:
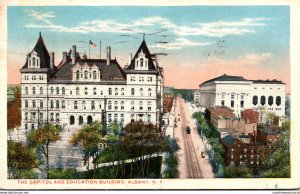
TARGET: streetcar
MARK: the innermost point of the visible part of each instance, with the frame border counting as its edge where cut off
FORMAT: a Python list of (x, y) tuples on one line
[(188, 129)]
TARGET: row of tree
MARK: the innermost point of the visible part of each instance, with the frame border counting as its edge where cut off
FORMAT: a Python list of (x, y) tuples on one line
[(137, 141)]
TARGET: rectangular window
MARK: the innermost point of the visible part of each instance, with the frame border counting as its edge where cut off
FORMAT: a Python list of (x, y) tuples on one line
[(75, 105), (232, 96), (223, 103), (232, 104), (109, 118), (242, 103)]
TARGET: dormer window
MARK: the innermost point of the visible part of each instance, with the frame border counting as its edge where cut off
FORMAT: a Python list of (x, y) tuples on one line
[(77, 74), (142, 62)]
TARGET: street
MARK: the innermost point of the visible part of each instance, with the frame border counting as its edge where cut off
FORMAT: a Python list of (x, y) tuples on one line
[(191, 164)]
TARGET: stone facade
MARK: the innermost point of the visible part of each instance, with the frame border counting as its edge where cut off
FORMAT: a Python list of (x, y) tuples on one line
[(81, 90)]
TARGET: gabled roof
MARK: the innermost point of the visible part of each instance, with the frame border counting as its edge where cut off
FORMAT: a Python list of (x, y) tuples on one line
[(226, 78), (145, 50), (41, 50)]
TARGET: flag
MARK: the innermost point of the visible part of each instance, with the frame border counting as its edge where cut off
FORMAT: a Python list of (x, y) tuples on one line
[(92, 44)]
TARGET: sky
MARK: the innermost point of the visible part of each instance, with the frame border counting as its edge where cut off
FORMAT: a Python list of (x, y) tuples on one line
[(198, 42)]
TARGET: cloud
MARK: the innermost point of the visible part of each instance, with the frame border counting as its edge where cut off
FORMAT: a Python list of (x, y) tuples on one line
[(178, 43), (212, 29), (247, 60), (42, 16)]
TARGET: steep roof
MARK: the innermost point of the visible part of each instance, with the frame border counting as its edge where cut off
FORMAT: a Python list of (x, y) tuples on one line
[(113, 71), (41, 50), (143, 47), (226, 78)]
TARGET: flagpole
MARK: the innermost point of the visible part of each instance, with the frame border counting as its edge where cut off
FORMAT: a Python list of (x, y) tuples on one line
[(100, 48)]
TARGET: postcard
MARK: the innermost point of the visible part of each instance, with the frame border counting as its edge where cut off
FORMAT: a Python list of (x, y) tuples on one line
[(149, 95)]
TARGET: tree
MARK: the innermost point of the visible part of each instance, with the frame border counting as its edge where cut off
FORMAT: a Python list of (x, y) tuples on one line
[(21, 159), (142, 140), (14, 111), (42, 138), (88, 139), (278, 163)]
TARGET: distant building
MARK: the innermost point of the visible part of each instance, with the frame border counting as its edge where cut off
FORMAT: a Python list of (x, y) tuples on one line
[(196, 97), (250, 116), (269, 138), (240, 94), (10, 95), (250, 149), (223, 119), (241, 151)]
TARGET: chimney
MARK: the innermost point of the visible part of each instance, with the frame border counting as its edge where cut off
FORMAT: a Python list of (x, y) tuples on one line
[(108, 56), (64, 55), (73, 54), (129, 58), (51, 60)]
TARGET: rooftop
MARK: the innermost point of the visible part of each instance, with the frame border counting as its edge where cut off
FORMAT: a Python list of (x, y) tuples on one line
[(226, 77)]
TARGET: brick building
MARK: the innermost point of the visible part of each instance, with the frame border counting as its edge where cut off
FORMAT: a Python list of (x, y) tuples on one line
[(250, 116)]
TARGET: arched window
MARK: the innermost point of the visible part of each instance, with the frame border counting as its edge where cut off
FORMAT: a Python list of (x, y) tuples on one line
[(109, 105), (52, 117), (89, 119), (149, 118), (33, 104), (63, 104), (93, 105), (86, 91), (122, 105), (116, 91), (132, 105), (141, 105), (26, 126), (26, 90), (41, 90), (86, 75), (72, 120), (278, 100), (80, 120), (51, 104), (57, 104), (149, 106), (132, 91), (149, 92), (116, 105), (57, 117), (57, 90), (63, 91), (52, 90), (26, 116), (26, 103), (122, 91), (41, 104), (94, 75), (109, 91), (77, 74), (255, 100), (142, 62), (270, 100), (32, 126), (262, 100), (141, 92), (77, 91), (95, 91), (33, 90)]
